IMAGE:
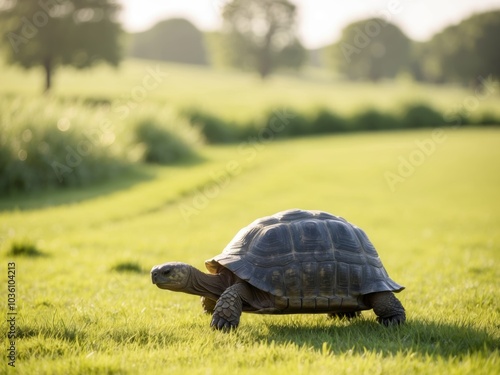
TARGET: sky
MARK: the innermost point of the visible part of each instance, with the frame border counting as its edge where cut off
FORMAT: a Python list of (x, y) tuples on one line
[(320, 22)]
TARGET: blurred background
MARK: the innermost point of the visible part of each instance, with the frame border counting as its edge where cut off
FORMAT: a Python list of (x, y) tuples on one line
[(138, 132), (156, 80)]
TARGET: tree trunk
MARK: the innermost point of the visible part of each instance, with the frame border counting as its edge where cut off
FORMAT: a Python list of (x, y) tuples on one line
[(264, 67), (265, 64), (47, 65)]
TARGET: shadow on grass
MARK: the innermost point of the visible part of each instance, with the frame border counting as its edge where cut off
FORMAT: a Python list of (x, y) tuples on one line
[(424, 338), (129, 267), (55, 197), (50, 197), (24, 248), (63, 340)]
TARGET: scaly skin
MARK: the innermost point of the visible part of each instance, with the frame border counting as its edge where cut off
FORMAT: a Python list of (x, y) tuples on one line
[(387, 308), (229, 307), (224, 295)]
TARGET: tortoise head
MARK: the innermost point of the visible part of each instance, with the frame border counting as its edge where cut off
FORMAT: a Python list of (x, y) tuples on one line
[(172, 276)]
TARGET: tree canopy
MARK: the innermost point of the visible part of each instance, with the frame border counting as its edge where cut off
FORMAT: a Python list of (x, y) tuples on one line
[(79, 33), (464, 52), (261, 35), (175, 39), (372, 49)]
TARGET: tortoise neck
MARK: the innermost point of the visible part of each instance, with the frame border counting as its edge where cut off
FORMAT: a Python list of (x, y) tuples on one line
[(207, 285)]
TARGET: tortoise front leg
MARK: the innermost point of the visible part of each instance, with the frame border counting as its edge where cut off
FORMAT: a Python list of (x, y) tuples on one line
[(229, 307)]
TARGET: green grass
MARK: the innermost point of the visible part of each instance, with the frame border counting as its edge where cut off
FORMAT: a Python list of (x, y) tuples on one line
[(239, 96), (87, 307), (47, 144), (102, 120)]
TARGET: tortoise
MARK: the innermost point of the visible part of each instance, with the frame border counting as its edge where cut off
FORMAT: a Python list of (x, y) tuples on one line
[(294, 261)]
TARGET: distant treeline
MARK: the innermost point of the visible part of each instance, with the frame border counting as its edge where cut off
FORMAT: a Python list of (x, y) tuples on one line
[(258, 36), (371, 49)]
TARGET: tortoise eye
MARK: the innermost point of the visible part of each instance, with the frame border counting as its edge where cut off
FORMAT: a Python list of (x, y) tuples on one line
[(166, 272)]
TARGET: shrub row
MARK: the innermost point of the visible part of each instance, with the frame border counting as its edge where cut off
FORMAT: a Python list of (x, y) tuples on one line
[(45, 143), (158, 135), (323, 121), (48, 143)]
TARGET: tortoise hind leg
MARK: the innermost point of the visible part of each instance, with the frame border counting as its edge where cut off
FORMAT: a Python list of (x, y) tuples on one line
[(208, 305), (387, 307)]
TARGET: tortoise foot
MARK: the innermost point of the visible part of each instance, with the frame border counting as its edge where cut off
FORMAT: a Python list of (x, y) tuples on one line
[(344, 315), (392, 320), (228, 308), (222, 324)]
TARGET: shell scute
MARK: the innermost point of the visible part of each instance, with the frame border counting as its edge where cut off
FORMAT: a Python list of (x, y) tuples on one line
[(276, 282), (310, 279), (311, 240), (327, 275), (293, 281), (273, 239), (343, 236)]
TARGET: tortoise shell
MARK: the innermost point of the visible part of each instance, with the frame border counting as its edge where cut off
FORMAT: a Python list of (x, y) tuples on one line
[(308, 260)]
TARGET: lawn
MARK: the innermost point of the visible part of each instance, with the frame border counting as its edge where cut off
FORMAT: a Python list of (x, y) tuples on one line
[(428, 201), (241, 96)]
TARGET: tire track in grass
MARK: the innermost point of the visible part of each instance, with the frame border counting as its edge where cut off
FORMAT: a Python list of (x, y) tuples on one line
[(207, 182)]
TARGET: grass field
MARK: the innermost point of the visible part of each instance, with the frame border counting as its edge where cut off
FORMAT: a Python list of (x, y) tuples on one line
[(241, 96), (86, 304)]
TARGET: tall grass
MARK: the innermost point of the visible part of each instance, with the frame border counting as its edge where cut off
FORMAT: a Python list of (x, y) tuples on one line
[(420, 115), (47, 143), (158, 135), (214, 128), (88, 305), (66, 142)]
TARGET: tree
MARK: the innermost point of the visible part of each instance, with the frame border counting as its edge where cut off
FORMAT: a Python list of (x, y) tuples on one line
[(464, 52), (260, 35), (372, 49), (51, 33), (175, 40)]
